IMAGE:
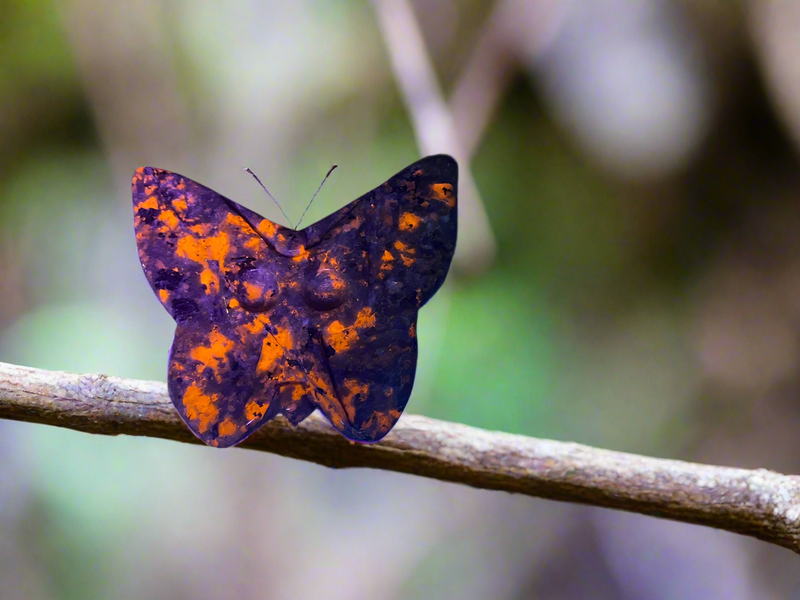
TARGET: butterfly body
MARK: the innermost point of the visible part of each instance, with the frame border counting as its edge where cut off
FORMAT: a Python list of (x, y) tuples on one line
[(272, 320)]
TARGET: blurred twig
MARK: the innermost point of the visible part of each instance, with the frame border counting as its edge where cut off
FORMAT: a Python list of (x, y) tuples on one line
[(758, 503), (515, 34), (433, 126), (117, 48)]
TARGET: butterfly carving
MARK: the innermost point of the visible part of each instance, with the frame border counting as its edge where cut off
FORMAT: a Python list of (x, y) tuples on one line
[(273, 320)]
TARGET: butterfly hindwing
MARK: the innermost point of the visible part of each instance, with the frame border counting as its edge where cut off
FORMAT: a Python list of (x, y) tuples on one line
[(277, 321)]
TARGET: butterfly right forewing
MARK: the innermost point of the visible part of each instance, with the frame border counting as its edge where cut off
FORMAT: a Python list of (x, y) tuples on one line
[(394, 246)]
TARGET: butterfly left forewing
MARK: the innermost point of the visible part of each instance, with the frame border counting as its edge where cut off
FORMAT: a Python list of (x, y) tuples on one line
[(215, 272)]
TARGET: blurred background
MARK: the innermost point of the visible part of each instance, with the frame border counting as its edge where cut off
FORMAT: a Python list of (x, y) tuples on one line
[(628, 276)]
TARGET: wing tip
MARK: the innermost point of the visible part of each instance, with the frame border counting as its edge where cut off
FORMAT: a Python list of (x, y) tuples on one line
[(148, 174), (443, 165)]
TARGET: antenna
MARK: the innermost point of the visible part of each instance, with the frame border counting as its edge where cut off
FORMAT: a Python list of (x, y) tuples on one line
[(285, 216), (315, 195)]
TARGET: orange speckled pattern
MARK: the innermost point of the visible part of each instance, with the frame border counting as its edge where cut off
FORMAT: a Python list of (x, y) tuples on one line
[(272, 321)]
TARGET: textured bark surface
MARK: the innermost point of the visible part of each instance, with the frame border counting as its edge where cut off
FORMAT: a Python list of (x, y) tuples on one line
[(758, 503)]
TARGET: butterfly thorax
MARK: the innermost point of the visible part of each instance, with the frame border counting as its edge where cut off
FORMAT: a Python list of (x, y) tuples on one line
[(289, 242)]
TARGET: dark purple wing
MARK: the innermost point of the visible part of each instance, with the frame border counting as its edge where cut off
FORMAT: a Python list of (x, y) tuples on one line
[(385, 255), (272, 320), (213, 266)]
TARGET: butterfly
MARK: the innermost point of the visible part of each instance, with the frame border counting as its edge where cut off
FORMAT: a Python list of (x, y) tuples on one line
[(277, 321)]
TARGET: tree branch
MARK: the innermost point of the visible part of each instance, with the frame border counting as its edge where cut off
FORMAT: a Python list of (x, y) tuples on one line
[(758, 503)]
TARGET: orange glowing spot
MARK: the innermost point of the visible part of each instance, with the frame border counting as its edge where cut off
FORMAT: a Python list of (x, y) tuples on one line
[(200, 407), (298, 391), (193, 249), (150, 189), (227, 427), (336, 281), (270, 353), (404, 247), (181, 185), (326, 398), (209, 279), (151, 202), (233, 303), (237, 221), (254, 410), (253, 243), (201, 229), (302, 256), (353, 391), (163, 295), (284, 338), (444, 193), (210, 356), (218, 247), (201, 251), (412, 331), (257, 325), (267, 228), (409, 221), (407, 260), (369, 423), (341, 338), (387, 256), (253, 291), (384, 420), (418, 173), (365, 318), (273, 348), (180, 205)]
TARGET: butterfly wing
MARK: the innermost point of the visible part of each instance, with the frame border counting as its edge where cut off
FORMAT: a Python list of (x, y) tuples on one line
[(213, 266), (271, 320), (392, 249)]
